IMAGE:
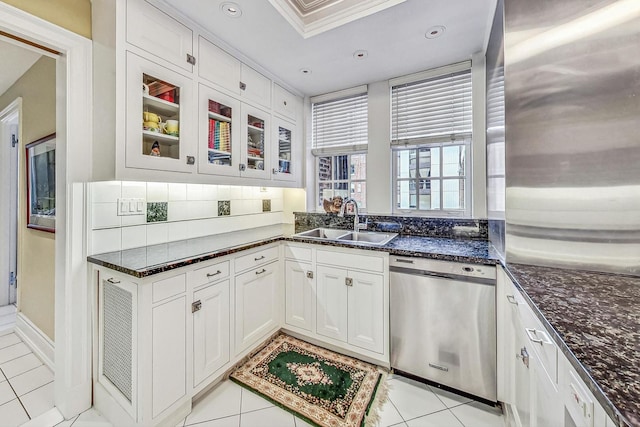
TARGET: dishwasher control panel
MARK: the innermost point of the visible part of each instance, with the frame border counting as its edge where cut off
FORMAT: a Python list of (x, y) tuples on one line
[(443, 267)]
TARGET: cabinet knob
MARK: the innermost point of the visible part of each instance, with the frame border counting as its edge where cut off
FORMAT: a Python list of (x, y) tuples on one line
[(243, 86), (348, 281), (191, 59), (524, 355), (191, 160), (310, 274), (196, 306), (242, 167), (275, 171)]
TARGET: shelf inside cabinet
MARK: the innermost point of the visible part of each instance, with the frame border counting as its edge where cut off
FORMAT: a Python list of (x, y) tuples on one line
[(255, 128), (160, 106), (219, 117), (161, 137)]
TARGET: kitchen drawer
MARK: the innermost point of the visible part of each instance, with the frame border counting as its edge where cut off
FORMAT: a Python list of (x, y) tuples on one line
[(209, 274), (350, 260), (256, 258), (297, 252), (540, 340), (167, 288)]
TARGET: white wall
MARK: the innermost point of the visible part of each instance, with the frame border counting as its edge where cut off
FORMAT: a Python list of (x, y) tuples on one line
[(379, 175), (192, 212)]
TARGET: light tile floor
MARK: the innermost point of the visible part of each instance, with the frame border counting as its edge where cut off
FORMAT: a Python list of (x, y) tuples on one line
[(410, 404)]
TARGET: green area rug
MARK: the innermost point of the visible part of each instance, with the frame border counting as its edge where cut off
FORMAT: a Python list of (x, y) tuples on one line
[(324, 388)]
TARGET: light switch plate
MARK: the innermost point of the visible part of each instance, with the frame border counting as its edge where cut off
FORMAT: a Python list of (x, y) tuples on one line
[(131, 206)]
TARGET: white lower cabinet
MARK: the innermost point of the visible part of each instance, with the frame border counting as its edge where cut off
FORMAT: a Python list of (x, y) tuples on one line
[(351, 304), (299, 294), (210, 330), (257, 304), (536, 381)]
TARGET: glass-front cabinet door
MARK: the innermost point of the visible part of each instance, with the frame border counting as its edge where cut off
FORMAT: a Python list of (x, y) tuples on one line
[(159, 130), (256, 138), (285, 151), (219, 151)]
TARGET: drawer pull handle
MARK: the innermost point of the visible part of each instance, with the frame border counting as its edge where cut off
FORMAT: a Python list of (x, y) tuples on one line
[(261, 271), (512, 300), (113, 281), (214, 274), (259, 258), (533, 336)]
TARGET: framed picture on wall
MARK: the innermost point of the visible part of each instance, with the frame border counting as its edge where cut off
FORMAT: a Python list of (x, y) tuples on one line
[(41, 184)]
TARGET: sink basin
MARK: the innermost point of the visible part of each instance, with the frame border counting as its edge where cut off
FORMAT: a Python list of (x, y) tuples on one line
[(323, 233), (348, 236), (368, 237)]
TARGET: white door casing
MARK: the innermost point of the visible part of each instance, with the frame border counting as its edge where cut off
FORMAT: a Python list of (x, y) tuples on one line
[(74, 101)]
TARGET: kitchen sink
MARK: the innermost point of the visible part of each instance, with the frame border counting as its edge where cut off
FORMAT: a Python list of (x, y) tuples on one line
[(348, 236), (368, 237)]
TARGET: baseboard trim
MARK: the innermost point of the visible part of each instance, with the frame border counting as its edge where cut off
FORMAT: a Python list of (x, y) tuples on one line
[(36, 340)]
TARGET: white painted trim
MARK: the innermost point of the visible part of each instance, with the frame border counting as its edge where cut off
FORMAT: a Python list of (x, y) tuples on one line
[(74, 102), (344, 93), (36, 340), (427, 74)]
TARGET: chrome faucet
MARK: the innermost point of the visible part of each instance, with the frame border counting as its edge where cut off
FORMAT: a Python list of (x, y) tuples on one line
[(356, 219)]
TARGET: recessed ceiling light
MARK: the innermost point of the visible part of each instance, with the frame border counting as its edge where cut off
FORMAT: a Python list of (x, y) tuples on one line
[(435, 32), (360, 54), (305, 70), (231, 9)]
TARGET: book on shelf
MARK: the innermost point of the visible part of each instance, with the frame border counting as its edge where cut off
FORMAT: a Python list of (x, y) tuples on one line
[(219, 135)]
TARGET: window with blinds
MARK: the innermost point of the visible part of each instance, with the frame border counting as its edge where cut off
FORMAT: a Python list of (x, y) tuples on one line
[(433, 110), (431, 130), (340, 125)]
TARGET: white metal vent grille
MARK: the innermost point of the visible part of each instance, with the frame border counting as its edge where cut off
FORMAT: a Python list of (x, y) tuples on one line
[(117, 341)]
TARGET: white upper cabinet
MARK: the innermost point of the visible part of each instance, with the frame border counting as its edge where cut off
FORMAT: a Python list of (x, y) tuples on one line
[(285, 103), (225, 71), (254, 87), (218, 67), (286, 151), (158, 33)]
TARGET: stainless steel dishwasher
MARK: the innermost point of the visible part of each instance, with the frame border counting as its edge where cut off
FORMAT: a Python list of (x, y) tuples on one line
[(443, 323)]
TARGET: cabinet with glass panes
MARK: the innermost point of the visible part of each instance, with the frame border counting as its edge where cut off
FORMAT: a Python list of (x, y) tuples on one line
[(285, 150), (157, 134)]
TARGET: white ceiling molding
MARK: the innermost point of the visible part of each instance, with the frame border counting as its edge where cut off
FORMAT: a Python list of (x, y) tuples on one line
[(313, 17)]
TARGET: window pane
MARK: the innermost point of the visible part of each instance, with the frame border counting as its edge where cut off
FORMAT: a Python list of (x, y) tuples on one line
[(324, 192), (358, 166), (341, 189), (453, 193), (406, 163), (359, 193), (324, 168), (453, 160), (434, 198), (341, 171), (429, 162), (406, 195)]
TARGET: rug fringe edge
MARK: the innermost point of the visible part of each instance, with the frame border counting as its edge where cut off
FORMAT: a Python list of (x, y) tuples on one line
[(372, 418)]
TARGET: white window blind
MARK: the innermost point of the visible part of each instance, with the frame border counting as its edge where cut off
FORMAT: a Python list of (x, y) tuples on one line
[(340, 125), (436, 109)]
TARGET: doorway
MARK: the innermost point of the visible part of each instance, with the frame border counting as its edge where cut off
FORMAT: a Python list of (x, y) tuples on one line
[(9, 140)]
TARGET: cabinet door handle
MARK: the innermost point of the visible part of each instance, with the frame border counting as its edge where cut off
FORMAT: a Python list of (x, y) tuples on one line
[(512, 300), (310, 274), (259, 258), (261, 271), (275, 171), (214, 274), (243, 86), (191, 160), (191, 59), (113, 281), (242, 166), (533, 336), (348, 281), (196, 306)]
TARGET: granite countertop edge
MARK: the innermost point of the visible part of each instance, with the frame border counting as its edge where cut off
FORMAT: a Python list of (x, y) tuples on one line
[(600, 395)]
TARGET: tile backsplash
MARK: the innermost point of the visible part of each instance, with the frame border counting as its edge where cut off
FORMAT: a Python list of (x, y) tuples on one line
[(176, 212)]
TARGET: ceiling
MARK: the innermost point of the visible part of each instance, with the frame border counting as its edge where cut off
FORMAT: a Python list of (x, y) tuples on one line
[(16, 61), (394, 39)]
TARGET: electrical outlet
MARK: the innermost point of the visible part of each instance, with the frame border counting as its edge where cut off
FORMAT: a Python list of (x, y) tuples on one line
[(134, 206)]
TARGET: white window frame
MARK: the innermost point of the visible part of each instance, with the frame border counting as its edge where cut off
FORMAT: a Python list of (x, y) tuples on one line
[(467, 141), (348, 181), (467, 178)]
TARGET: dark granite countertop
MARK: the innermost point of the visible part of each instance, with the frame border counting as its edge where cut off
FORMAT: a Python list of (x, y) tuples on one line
[(595, 320), (150, 260)]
